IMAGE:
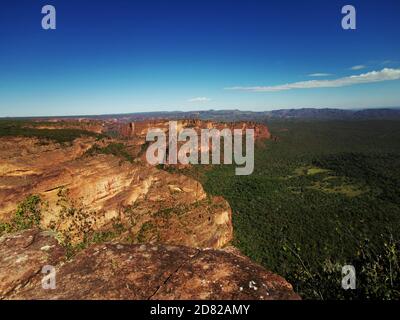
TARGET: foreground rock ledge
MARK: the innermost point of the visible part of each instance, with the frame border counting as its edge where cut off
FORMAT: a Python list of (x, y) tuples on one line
[(132, 272)]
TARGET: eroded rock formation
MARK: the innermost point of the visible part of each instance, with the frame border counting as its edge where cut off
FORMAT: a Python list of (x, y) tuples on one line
[(85, 194), (139, 129)]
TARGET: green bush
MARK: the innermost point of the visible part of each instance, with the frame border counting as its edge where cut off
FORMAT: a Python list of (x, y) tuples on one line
[(27, 215), (116, 149)]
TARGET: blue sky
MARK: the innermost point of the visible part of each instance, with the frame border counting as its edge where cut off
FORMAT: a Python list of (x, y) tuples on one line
[(125, 56)]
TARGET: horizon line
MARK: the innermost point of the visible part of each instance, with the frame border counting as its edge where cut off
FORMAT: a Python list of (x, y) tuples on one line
[(197, 111)]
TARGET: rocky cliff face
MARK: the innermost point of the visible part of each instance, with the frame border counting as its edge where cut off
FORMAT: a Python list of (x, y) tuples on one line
[(139, 129), (86, 194), (116, 271)]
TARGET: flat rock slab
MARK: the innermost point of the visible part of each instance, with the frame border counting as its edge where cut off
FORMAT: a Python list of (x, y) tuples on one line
[(132, 272), (22, 257), (220, 275)]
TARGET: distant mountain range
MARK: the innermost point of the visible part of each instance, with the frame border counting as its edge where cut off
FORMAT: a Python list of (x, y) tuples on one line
[(238, 115), (335, 114), (301, 114)]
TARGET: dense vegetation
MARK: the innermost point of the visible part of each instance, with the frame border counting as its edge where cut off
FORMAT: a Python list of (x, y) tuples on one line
[(116, 149), (9, 128), (323, 195)]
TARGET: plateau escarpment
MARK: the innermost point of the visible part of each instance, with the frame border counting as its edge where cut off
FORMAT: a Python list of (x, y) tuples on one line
[(82, 194), (139, 130)]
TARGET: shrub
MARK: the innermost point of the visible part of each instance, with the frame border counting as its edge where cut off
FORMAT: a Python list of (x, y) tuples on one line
[(26, 216), (28, 213), (116, 149)]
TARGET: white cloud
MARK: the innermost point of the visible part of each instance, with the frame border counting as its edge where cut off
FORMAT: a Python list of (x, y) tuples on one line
[(319, 74), (385, 74), (199, 99), (386, 62), (358, 67)]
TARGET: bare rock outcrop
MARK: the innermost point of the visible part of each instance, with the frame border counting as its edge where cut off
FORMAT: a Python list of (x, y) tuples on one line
[(117, 271), (22, 257)]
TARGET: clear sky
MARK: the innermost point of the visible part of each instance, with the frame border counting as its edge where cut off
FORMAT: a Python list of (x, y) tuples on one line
[(125, 56)]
